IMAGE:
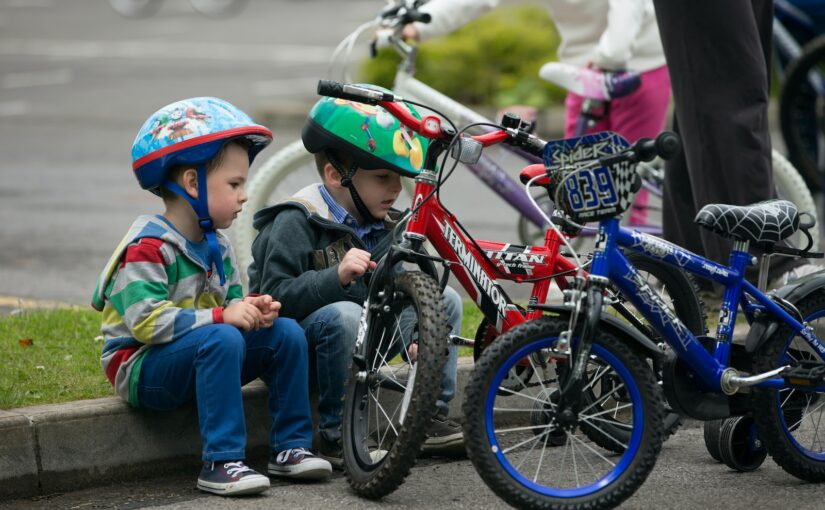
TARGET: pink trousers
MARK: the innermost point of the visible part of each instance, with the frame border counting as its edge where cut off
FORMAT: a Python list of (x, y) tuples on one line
[(640, 114)]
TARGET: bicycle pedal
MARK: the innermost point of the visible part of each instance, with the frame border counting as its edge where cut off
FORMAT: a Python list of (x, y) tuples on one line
[(806, 373)]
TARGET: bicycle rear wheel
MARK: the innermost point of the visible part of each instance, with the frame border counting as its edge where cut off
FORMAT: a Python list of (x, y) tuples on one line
[(802, 113), (390, 398), (790, 421), (533, 456)]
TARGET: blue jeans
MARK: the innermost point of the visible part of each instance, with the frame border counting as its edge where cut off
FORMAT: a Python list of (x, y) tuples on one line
[(212, 363), (331, 332)]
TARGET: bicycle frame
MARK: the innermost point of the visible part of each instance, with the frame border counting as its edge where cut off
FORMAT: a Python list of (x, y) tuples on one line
[(486, 169), (490, 172), (711, 368), (478, 274)]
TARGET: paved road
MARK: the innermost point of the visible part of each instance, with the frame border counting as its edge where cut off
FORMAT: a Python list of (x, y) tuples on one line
[(684, 478), (76, 82)]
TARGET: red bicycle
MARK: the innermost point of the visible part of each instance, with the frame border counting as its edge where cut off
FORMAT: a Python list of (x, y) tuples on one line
[(391, 394)]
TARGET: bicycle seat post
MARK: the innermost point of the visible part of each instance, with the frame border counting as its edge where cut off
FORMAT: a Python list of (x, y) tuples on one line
[(764, 266)]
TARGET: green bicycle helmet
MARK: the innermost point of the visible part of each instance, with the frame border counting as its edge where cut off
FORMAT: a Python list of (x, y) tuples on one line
[(369, 134), (373, 137)]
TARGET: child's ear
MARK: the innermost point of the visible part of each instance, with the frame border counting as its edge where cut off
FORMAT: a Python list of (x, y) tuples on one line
[(331, 176), (189, 182)]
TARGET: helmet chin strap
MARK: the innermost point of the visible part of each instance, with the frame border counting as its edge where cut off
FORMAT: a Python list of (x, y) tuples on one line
[(346, 181), (201, 207)]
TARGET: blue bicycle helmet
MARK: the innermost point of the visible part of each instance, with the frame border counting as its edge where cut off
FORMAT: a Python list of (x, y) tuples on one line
[(192, 132)]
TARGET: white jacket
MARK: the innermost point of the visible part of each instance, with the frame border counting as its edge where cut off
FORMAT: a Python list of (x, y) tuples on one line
[(611, 34)]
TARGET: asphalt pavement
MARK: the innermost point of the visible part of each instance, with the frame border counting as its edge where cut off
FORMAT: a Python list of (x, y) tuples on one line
[(685, 478), (76, 82)]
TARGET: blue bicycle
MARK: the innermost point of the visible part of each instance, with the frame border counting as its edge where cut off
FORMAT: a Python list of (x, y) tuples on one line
[(592, 386)]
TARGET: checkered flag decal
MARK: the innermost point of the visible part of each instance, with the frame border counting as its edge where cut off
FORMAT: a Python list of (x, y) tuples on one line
[(624, 175)]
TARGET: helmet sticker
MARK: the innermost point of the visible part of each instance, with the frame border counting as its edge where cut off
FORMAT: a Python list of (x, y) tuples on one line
[(179, 124), (406, 146)]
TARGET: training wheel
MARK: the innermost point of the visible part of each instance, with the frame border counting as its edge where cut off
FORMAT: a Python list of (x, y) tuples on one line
[(713, 429), (739, 446)]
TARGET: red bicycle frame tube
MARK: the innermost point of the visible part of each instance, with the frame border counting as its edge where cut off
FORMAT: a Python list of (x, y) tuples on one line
[(425, 128), (503, 261), (506, 261)]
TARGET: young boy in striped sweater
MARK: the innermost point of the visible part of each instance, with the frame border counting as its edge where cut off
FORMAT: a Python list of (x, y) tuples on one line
[(176, 323)]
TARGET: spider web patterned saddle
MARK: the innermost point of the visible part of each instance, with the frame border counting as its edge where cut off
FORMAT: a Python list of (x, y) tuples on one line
[(764, 223)]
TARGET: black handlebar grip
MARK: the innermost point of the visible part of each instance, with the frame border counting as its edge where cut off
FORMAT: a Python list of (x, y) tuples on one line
[(668, 145), (644, 149), (355, 93), (422, 17), (330, 88)]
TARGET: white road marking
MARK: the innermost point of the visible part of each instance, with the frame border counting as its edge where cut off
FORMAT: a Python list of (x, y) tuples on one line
[(21, 80), (24, 303), (285, 87), (13, 108), (29, 3), (177, 50)]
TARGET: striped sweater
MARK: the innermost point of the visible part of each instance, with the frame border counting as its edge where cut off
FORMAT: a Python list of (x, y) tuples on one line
[(153, 290)]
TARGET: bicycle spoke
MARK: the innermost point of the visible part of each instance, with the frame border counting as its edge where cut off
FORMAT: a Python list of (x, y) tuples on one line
[(541, 457), (519, 445)]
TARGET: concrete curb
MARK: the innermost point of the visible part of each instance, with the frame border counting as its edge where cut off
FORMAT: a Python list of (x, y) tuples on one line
[(50, 448)]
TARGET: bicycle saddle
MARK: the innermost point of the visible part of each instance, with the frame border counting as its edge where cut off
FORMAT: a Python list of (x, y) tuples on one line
[(765, 222)]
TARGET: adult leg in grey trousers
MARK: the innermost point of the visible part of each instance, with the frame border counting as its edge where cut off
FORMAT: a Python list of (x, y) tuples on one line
[(718, 56)]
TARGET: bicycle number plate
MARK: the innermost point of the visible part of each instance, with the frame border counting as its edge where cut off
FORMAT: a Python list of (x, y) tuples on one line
[(592, 193)]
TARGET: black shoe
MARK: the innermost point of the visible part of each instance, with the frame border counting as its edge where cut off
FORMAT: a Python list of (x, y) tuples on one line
[(331, 451), (443, 435)]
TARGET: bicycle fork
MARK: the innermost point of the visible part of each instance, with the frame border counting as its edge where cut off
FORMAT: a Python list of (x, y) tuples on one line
[(587, 302)]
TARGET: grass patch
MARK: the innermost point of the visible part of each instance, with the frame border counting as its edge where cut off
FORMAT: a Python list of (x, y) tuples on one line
[(61, 364), (63, 361)]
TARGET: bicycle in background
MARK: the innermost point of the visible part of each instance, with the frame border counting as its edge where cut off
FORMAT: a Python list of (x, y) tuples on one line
[(292, 168), (798, 28)]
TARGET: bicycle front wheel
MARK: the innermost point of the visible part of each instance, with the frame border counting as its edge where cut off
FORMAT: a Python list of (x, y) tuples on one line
[(790, 421), (534, 456), (391, 395), (802, 113)]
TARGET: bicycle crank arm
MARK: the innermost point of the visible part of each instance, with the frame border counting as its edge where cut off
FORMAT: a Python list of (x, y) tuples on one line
[(460, 340)]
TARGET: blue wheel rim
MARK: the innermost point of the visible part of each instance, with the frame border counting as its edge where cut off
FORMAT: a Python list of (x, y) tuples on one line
[(627, 456), (818, 456)]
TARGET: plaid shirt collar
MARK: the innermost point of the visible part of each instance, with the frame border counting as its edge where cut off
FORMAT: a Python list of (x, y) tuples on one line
[(340, 215)]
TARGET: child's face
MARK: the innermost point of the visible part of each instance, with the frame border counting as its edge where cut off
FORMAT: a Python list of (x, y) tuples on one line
[(226, 186), (378, 190)]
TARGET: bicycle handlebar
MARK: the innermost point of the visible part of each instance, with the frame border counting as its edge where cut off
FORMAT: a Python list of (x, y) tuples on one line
[(405, 14), (428, 126), (667, 145), (355, 93)]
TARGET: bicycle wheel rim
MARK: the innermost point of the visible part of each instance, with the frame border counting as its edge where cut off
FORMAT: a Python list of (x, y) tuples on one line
[(795, 425), (610, 476), (373, 420)]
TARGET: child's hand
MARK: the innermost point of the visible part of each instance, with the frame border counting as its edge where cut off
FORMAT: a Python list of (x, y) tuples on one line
[(355, 263), (412, 352), (245, 316), (268, 307)]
